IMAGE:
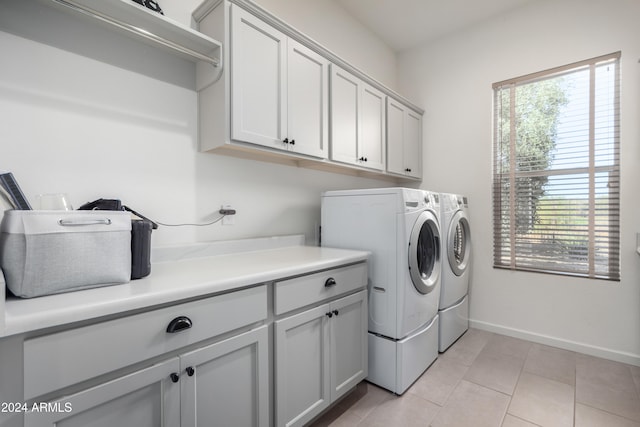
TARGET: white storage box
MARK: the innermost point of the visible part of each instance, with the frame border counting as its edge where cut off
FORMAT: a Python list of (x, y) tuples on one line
[(48, 252)]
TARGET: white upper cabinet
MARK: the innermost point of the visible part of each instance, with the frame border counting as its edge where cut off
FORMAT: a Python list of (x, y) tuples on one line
[(344, 116), (412, 146), (395, 137), (357, 121), (279, 89), (283, 97), (258, 54), (404, 140), (372, 128), (308, 101)]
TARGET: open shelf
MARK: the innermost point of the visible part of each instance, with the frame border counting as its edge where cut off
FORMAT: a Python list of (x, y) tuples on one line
[(136, 21)]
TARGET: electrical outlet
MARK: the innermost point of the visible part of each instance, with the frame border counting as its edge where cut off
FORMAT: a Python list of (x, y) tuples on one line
[(228, 219)]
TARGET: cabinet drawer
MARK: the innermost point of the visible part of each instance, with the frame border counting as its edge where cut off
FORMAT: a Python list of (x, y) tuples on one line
[(61, 359), (301, 291)]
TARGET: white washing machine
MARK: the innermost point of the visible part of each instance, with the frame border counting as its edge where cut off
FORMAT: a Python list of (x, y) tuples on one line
[(401, 229), (456, 250)]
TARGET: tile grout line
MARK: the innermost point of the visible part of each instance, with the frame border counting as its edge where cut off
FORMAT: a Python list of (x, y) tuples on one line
[(524, 362)]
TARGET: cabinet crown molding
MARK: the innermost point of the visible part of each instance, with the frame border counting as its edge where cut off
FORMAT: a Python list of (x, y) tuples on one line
[(205, 7)]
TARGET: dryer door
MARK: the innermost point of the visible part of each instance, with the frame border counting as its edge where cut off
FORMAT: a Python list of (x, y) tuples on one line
[(424, 253), (459, 243)]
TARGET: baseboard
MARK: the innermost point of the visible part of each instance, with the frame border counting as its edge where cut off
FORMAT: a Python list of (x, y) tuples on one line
[(618, 356)]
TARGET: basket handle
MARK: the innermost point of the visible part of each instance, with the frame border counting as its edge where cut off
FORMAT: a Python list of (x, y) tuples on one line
[(75, 222)]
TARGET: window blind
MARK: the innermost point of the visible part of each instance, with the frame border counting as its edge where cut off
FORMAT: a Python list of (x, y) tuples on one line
[(556, 170)]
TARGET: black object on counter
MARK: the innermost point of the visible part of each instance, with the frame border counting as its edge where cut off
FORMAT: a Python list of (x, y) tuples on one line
[(140, 235), (12, 189)]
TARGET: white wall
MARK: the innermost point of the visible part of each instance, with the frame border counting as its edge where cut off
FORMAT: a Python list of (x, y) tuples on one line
[(451, 78), (92, 114), (327, 23)]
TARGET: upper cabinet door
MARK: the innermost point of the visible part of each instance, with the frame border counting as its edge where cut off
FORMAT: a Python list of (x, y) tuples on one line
[(357, 121), (308, 93), (413, 144), (404, 140), (344, 116), (372, 128), (258, 91), (395, 137)]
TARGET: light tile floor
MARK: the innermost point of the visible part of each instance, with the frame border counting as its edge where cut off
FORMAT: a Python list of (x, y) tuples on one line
[(491, 380)]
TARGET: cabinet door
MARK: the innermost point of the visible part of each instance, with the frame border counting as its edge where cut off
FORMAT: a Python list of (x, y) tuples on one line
[(227, 383), (344, 116), (372, 128), (404, 140), (395, 137), (307, 106), (258, 92), (413, 144), (147, 398), (302, 366), (349, 357)]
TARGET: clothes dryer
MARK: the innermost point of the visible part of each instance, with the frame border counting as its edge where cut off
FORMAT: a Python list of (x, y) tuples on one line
[(456, 250), (401, 229)]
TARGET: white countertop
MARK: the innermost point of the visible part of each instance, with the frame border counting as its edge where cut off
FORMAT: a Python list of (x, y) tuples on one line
[(188, 276)]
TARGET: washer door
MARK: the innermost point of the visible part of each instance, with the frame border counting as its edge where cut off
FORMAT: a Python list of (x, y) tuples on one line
[(459, 243), (424, 253)]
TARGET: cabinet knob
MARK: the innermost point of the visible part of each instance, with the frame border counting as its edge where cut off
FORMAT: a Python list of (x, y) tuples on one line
[(329, 315), (286, 140), (174, 377), (407, 170), (178, 324), (292, 142), (190, 371), (335, 312), (330, 282)]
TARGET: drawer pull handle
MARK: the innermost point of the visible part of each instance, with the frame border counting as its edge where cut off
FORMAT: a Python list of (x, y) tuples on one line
[(190, 371), (174, 377), (335, 312), (329, 315), (178, 324), (77, 223), (330, 282)]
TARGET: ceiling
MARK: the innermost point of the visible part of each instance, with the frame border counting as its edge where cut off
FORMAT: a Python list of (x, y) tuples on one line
[(403, 24)]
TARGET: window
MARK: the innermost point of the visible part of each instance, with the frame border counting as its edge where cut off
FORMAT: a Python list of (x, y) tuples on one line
[(556, 173)]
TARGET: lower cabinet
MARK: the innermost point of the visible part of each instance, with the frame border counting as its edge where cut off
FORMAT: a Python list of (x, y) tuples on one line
[(147, 398), (222, 384), (227, 383), (320, 354), (239, 359)]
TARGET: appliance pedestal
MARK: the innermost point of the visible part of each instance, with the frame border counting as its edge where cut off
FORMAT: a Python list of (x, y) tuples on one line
[(454, 321), (396, 365)]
